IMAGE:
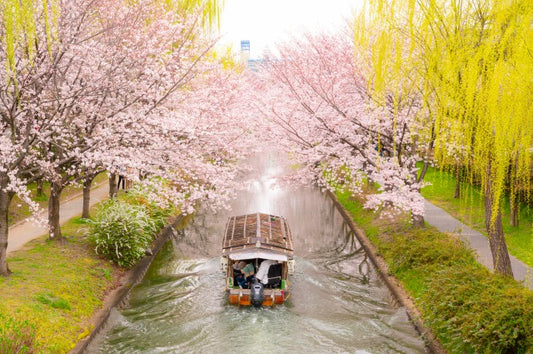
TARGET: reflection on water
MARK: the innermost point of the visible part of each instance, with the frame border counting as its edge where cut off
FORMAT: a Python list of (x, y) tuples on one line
[(337, 303)]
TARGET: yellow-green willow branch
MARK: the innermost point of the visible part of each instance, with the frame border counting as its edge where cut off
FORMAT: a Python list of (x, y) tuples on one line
[(20, 20)]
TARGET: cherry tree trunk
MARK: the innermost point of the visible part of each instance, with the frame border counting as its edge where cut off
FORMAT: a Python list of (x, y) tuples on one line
[(422, 174), (498, 247), (87, 181), (5, 200), (112, 185), (40, 183), (418, 221), (53, 211)]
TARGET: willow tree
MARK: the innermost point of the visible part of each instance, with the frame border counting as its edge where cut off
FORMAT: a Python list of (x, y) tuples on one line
[(473, 61), (211, 10), (20, 20), (485, 107)]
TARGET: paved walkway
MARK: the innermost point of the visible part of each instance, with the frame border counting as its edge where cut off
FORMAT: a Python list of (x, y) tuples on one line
[(443, 221), (23, 232)]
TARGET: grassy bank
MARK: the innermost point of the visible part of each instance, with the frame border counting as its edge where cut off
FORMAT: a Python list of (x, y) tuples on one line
[(53, 292), (57, 287), (469, 209), (468, 308)]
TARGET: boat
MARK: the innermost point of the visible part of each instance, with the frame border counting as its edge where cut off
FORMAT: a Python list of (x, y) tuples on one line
[(257, 259)]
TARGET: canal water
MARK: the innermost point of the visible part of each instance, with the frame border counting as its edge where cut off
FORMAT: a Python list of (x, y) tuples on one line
[(337, 302)]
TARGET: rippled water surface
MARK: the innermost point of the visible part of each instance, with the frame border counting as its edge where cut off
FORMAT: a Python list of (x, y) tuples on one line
[(337, 303)]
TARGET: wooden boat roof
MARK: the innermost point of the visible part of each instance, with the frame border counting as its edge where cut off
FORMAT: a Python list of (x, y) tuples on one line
[(257, 231)]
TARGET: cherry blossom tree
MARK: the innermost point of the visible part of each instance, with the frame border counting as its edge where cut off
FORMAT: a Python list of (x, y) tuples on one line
[(196, 139), (23, 125), (139, 67), (334, 126), (131, 85)]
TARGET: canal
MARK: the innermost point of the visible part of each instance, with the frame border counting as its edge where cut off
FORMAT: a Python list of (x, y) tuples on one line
[(337, 303)]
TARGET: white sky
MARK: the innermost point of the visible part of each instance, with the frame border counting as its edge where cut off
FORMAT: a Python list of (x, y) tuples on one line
[(266, 22)]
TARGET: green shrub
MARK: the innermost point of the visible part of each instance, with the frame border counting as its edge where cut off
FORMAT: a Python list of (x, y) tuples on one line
[(124, 227), (16, 336), (471, 309), (146, 195), (122, 232), (487, 313), (425, 247)]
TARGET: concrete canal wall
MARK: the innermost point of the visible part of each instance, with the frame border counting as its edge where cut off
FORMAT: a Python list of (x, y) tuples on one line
[(397, 290)]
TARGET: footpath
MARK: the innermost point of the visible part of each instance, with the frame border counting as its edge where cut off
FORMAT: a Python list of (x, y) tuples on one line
[(444, 222), (25, 231)]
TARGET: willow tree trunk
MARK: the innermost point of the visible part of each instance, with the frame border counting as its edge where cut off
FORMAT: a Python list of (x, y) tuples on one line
[(53, 211), (5, 200), (87, 181), (112, 185), (457, 192), (514, 193), (498, 247), (515, 211)]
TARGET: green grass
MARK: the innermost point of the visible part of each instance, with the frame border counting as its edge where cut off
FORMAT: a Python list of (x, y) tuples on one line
[(469, 209), (79, 220), (53, 300), (53, 292), (364, 220), (56, 287), (469, 309)]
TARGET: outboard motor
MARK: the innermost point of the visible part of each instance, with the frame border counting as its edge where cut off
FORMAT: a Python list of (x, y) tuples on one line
[(256, 294)]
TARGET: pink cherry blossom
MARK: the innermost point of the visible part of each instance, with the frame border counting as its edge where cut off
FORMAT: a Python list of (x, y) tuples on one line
[(318, 106)]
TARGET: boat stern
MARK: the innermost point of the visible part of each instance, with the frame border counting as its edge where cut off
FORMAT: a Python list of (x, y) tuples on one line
[(271, 297)]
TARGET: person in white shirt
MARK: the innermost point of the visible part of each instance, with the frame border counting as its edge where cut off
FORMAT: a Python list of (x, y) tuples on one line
[(262, 273)]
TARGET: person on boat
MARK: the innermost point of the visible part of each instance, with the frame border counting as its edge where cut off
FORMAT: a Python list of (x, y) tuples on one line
[(262, 272), (243, 273)]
